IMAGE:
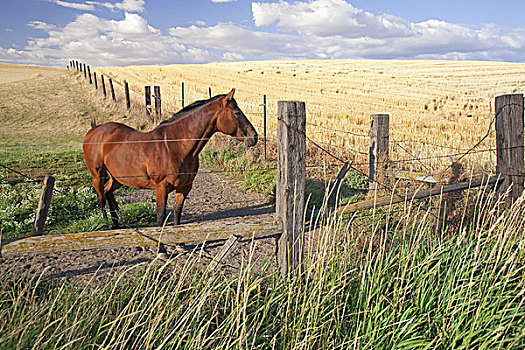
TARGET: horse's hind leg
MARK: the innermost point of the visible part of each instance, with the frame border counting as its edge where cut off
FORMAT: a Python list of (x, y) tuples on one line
[(98, 184), (112, 202), (180, 197)]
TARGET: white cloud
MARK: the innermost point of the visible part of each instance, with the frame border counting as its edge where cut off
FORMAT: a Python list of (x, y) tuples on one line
[(232, 56), (126, 5), (74, 5), (327, 18), (41, 25), (20, 56), (99, 41), (283, 30), (232, 38), (335, 28)]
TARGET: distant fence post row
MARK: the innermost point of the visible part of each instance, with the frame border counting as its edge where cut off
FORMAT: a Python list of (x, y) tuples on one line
[(86, 69)]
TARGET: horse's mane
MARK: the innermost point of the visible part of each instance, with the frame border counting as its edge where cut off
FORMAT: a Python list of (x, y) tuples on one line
[(190, 107)]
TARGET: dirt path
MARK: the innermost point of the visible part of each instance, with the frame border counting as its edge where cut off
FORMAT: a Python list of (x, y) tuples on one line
[(213, 197)]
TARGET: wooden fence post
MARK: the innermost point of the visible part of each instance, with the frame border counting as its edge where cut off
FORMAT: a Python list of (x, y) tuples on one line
[(264, 124), (89, 73), (126, 92), (509, 144), (379, 136), (182, 92), (156, 95), (95, 79), (209, 91), (147, 95), (76, 64), (290, 187), (103, 85), (85, 71), (43, 206), (80, 65), (112, 90)]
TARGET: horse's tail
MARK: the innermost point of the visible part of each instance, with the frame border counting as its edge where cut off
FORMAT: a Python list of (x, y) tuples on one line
[(93, 123)]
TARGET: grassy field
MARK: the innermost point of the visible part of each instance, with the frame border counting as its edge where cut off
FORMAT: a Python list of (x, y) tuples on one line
[(398, 286), (436, 107)]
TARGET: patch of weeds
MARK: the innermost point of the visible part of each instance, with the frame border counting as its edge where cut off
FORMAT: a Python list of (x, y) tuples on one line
[(257, 176), (95, 222), (138, 214)]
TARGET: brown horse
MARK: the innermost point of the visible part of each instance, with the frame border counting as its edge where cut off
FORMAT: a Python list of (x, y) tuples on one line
[(165, 159)]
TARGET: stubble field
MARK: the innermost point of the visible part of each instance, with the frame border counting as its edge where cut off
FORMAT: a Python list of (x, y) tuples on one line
[(436, 107)]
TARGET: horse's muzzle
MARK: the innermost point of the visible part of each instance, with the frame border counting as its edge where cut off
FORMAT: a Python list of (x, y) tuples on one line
[(251, 141)]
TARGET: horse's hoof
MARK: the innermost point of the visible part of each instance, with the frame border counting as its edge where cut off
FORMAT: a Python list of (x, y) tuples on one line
[(162, 256)]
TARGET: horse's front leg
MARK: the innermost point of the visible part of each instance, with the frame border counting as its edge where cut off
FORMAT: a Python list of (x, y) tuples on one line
[(161, 197)]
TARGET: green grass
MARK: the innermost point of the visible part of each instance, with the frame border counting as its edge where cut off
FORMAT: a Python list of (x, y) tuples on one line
[(400, 287)]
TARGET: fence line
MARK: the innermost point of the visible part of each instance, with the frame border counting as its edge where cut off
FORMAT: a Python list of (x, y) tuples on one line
[(336, 131)]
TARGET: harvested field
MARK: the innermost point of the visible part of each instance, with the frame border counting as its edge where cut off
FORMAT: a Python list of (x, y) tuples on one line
[(437, 107), (14, 72)]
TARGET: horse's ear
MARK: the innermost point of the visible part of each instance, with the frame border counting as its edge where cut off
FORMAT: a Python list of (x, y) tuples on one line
[(230, 95)]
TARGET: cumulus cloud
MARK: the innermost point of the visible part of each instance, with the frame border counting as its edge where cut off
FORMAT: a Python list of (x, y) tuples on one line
[(232, 38), (327, 18), (335, 28), (282, 30), (106, 42)]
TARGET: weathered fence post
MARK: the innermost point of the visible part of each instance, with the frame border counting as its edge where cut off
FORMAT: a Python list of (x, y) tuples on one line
[(89, 73), (379, 136), (80, 65), (264, 124), (290, 187), (43, 206), (112, 90), (103, 85), (95, 79), (76, 64), (156, 95), (126, 92), (209, 91), (85, 71), (509, 144), (147, 95), (182, 92)]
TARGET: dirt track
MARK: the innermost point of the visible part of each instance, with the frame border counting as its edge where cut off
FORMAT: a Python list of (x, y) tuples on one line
[(214, 196)]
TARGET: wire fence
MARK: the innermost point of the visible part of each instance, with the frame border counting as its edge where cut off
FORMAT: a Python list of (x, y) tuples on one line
[(335, 153)]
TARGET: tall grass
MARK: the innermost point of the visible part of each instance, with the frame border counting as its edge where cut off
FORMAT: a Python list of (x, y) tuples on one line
[(399, 285)]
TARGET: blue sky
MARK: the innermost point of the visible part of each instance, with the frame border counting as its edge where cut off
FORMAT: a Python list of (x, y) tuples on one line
[(123, 32)]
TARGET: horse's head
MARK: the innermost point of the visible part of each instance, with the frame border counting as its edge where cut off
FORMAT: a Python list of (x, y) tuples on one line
[(232, 121)]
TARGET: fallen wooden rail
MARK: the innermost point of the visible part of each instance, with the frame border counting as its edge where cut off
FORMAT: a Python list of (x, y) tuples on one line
[(398, 198), (194, 233)]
